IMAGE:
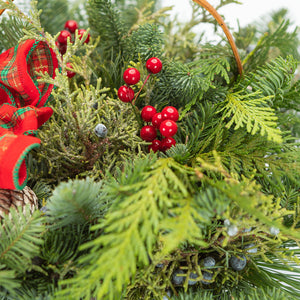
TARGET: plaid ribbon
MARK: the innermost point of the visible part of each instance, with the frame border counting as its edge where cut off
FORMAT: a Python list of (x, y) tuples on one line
[(22, 111)]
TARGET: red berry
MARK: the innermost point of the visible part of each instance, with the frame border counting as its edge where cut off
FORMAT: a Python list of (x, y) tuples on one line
[(154, 65), (70, 74), (62, 49), (63, 37), (131, 76), (71, 25), (155, 146), (167, 143), (81, 32), (170, 113), (157, 119), (168, 128), (125, 93), (148, 112), (148, 133)]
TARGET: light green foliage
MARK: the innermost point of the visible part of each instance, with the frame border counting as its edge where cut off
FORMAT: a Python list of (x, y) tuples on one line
[(170, 218), (215, 62), (250, 111), (75, 148), (260, 93)]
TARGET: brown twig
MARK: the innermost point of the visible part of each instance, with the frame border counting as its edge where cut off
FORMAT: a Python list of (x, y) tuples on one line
[(220, 21), (2, 10)]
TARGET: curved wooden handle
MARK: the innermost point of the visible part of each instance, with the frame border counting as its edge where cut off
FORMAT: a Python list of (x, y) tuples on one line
[(2, 10), (220, 21)]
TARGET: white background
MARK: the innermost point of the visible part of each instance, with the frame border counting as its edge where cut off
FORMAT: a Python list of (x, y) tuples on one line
[(247, 12)]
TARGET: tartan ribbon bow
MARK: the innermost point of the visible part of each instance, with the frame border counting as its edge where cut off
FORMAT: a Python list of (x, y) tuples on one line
[(22, 106)]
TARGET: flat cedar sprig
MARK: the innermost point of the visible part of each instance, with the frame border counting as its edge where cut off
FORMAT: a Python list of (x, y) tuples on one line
[(131, 227)]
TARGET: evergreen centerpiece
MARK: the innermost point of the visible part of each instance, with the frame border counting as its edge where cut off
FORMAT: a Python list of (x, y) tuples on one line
[(207, 207)]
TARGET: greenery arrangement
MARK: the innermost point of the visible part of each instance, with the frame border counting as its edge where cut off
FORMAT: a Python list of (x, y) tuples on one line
[(214, 217)]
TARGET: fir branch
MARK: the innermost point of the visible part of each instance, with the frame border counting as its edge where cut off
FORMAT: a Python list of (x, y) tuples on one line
[(216, 66), (273, 42), (53, 15), (250, 111), (144, 42), (33, 18), (180, 84), (8, 281), (20, 239), (105, 20), (75, 202), (11, 30), (275, 280), (272, 79)]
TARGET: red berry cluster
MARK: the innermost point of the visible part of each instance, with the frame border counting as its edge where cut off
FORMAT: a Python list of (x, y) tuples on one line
[(70, 27), (132, 76), (165, 122)]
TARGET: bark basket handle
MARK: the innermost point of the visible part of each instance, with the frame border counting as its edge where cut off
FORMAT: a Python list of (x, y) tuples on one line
[(221, 22)]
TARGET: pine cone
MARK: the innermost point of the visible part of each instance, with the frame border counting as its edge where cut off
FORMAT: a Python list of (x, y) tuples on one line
[(16, 198)]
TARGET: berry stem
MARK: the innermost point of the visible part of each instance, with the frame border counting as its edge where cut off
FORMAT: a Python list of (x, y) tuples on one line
[(220, 21), (133, 102)]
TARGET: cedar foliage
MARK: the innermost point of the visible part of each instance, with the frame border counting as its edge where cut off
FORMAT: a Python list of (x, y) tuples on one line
[(118, 222)]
